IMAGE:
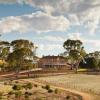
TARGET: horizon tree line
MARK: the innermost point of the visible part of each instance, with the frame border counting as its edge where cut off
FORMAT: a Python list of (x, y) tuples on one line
[(19, 55)]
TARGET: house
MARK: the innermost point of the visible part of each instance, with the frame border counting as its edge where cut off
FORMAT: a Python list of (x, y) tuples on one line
[(55, 62)]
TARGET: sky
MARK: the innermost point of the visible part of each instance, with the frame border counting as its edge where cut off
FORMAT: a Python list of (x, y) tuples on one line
[(48, 23)]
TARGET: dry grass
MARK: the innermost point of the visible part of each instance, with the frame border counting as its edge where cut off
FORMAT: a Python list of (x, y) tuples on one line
[(5, 88), (38, 92), (85, 83)]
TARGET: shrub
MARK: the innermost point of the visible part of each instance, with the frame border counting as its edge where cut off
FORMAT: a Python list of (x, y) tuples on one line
[(56, 91), (68, 97), (17, 87), (5, 83), (18, 94), (11, 93), (47, 87), (10, 82), (27, 94), (1, 95), (35, 85), (43, 87), (50, 90), (28, 86), (16, 82)]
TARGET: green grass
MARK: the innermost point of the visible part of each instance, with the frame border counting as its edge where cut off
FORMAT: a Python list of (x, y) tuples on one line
[(82, 70)]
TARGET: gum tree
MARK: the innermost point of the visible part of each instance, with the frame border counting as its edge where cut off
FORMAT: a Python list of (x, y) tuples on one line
[(22, 54), (75, 52)]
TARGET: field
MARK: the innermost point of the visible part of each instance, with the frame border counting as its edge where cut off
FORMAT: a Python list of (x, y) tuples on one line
[(81, 82), (27, 89)]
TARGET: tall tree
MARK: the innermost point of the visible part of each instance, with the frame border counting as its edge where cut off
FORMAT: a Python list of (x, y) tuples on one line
[(94, 58), (4, 51), (18, 44), (17, 58), (23, 52), (75, 51)]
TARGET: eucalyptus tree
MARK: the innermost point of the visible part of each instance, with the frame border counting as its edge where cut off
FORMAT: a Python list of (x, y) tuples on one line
[(4, 49), (75, 52), (94, 59), (17, 58), (22, 55), (97, 59), (4, 52), (18, 44)]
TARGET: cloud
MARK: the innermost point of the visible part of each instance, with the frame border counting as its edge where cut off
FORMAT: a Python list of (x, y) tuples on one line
[(53, 38), (53, 49), (8, 1), (49, 47), (56, 15), (95, 43), (75, 36), (79, 12), (36, 22)]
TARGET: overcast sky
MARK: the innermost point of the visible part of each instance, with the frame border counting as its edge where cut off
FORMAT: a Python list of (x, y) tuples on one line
[(48, 23)]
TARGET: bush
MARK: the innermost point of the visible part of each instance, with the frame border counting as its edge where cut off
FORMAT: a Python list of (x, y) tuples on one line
[(43, 87), (1, 95), (50, 90), (5, 83), (27, 94), (47, 87), (28, 86), (68, 97), (18, 94), (11, 93), (17, 87), (16, 82), (35, 85), (56, 91)]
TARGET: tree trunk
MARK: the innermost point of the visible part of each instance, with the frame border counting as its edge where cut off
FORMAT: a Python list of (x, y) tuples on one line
[(28, 74), (17, 73), (77, 66)]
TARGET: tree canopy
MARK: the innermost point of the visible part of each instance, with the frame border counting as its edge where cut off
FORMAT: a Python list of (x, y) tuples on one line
[(19, 54), (75, 51)]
